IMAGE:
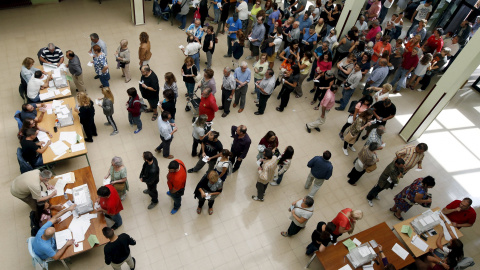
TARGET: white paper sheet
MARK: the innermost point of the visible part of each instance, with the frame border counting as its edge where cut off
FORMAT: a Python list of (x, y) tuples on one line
[(98, 102), (65, 216), (106, 181), (428, 219), (78, 147), (65, 92), (62, 237), (454, 231), (373, 243), (446, 234), (419, 243), (346, 267), (47, 95), (205, 159), (78, 248), (49, 111), (68, 136), (69, 191), (423, 222), (364, 251), (445, 217), (90, 64), (58, 147), (400, 251), (356, 241), (43, 137)]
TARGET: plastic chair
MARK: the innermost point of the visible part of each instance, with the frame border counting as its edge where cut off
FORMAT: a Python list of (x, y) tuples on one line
[(18, 119), (24, 166), (36, 261), (22, 89), (465, 263)]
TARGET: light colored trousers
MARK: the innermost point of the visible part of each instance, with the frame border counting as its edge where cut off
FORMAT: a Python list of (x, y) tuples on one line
[(78, 80), (317, 183), (129, 261), (320, 121), (126, 72)]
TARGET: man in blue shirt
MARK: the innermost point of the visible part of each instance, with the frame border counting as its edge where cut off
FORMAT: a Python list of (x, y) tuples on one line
[(196, 30), (44, 244), (216, 10), (232, 26), (242, 76), (309, 39), (273, 17), (305, 23), (256, 38), (320, 170)]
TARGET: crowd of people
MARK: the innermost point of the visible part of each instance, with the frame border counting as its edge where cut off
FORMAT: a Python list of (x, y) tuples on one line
[(304, 43)]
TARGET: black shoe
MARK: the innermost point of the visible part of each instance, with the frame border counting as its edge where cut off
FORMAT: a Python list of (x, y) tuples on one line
[(278, 109), (308, 129), (364, 137), (190, 171), (313, 90), (257, 113), (257, 105), (309, 79), (152, 205), (134, 263), (96, 77), (115, 226), (193, 155), (317, 129), (234, 170), (89, 140), (220, 108), (337, 101), (339, 109), (76, 90), (145, 191)]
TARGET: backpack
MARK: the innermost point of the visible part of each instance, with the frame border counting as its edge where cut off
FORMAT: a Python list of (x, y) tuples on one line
[(229, 168), (34, 227), (143, 105), (196, 15)]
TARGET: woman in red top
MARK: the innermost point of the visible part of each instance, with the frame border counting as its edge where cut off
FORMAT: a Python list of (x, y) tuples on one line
[(380, 47), (270, 140), (110, 204), (345, 222), (412, 43), (133, 107), (324, 63)]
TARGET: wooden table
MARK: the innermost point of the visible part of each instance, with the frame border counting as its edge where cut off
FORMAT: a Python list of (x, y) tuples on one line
[(48, 124), (42, 91), (82, 176), (431, 240), (333, 256)]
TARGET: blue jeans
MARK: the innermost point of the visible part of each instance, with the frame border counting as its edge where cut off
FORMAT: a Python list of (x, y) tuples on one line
[(383, 13), (182, 19), (311, 248), (280, 178), (196, 59), (190, 88), (177, 199), (39, 162), (35, 99), (346, 95), (104, 78), (414, 24), (256, 88), (400, 77), (135, 120), (116, 218), (217, 12)]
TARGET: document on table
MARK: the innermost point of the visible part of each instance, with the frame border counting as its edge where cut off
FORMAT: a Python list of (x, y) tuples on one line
[(419, 243), (78, 247), (346, 267), (78, 147), (407, 229), (400, 251), (373, 243), (68, 136), (57, 103), (65, 216), (66, 92), (47, 95), (58, 147), (69, 177), (93, 240), (446, 234), (428, 219), (349, 244), (448, 220), (69, 191), (357, 242), (43, 137), (454, 232), (62, 237), (56, 73), (364, 251)]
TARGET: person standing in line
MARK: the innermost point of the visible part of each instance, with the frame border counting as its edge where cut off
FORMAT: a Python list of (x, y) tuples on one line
[(182, 14), (189, 72), (122, 56), (198, 133), (110, 204), (133, 107), (228, 90), (384, 10), (409, 63), (95, 40), (422, 12), (242, 76), (232, 26), (167, 130), (242, 10), (321, 169), (265, 89), (211, 150), (225, 7), (144, 53), (171, 83), (345, 221), (284, 162), (367, 160), (266, 172), (237, 48), (150, 89), (150, 176), (209, 45), (208, 104), (327, 104), (75, 69), (117, 250), (290, 81), (107, 106), (240, 146), (209, 188), (101, 66), (193, 50), (388, 179), (302, 211), (349, 86), (256, 38), (259, 69), (176, 180), (86, 113), (413, 155), (305, 64)]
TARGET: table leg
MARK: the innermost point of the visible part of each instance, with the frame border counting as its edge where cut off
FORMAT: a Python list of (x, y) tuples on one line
[(88, 161), (65, 264), (311, 260)]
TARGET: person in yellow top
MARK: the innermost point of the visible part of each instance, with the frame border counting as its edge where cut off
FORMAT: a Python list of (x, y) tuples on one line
[(305, 64), (253, 16)]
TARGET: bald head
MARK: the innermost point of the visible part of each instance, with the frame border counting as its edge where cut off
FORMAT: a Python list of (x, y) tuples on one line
[(383, 62), (49, 232)]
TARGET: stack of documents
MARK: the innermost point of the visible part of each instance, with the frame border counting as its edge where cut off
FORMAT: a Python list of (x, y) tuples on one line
[(419, 243), (79, 226), (62, 237), (400, 251), (47, 95), (68, 136), (43, 137), (59, 148), (78, 147)]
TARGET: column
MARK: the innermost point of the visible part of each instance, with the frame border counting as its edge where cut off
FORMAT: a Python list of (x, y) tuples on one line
[(348, 18), (443, 91), (138, 12)]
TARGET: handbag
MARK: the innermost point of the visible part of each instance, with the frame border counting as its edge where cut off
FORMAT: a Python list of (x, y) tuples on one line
[(350, 119), (371, 168), (349, 138), (197, 78)]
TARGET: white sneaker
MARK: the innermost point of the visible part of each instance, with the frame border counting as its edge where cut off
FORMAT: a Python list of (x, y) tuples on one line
[(345, 151), (256, 101), (351, 148), (248, 57), (370, 203), (114, 133), (378, 198), (274, 183)]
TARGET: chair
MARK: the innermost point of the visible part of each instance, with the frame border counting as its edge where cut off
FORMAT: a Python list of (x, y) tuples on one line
[(465, 263), (24, 166), (18, 119), (38, 263), (39, 53), (22, 89)]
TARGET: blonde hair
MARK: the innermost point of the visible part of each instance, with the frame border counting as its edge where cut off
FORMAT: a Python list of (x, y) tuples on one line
[(357, 214), (83, 99), (387, 87), (107, 93), (201, 120), (213, 176), (28, 62)]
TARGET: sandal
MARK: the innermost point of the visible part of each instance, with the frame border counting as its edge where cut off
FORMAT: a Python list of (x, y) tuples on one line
[(284, 234), (313, 102), (154, 117), (149, 110), (210, 211), (399, 218), (316, 108), (199, 210)]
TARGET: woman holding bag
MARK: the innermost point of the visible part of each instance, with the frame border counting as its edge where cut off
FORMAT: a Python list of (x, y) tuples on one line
[(366, 162), (353, 131), (284, 162), (189, 72), (209, 187), (362, 105), (118, 177), (416, 193)]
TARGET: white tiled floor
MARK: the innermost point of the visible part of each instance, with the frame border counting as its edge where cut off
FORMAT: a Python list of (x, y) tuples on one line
[(241, 234)]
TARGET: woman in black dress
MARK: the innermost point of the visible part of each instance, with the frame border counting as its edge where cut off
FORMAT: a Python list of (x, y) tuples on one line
[(289, 83), (86, 112)]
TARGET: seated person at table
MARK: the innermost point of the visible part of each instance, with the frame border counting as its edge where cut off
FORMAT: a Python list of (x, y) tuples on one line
[(32, 151), (321, 237), (30, 111), (110, 204), (30, 123), (386, 264), (44, 212), (35, 84), (51, 55), (44, 244), (460, 213)]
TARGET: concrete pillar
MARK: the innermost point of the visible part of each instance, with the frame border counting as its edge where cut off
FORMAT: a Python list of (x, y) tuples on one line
[(138, 11), (348, 18), (442, 92)]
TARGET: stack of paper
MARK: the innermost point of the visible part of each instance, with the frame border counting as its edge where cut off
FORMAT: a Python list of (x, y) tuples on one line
[(349, 244), (58, 147), (66, 92), (68, 136), (356, 241), (346, 267), (79, 226), (69, 177), (419, 243), (47, 95), (400, 251), (65, 216), (62, 237), (43, 137), (78, 147), (407, 230), (57, 103)]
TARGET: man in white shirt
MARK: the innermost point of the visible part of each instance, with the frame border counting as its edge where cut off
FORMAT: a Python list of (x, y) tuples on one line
[(166, 134), (193, 50), (422, 12), (35, 84), (349, 86), (451, 43), (266, 87), (362, 25), (242, 10), (277, 41)]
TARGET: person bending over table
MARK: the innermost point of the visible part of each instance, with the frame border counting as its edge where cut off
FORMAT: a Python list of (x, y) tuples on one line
[(321, 237), (345, 222), (386, 264), (460, 213), (417, 192), (110, 204), (44, 244)]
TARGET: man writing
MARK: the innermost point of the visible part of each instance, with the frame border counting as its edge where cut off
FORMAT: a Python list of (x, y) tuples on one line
[(29, 186), (228, 90), (75, 69), (460, 213), (240, 146), (36, 84), (29, 111), (51, 55), (44, 244), (266, 87), (150, 176), (176, 179)]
